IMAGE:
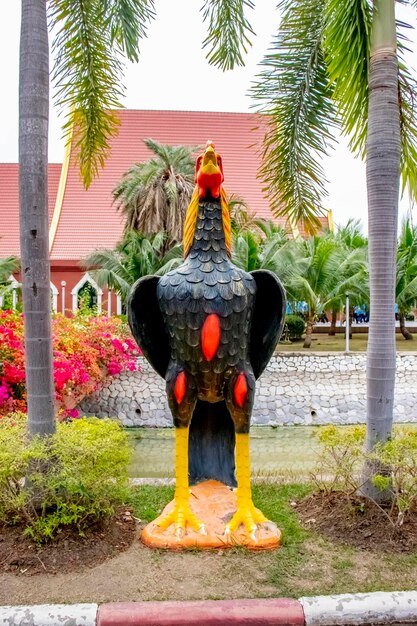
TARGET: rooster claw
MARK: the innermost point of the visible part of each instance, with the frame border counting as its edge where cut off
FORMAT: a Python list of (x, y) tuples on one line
[(273, 528), (179, 532)]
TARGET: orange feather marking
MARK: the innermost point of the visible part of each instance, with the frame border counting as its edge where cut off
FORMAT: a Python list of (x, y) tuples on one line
[(241, 390), (180, 387), (210, 336)]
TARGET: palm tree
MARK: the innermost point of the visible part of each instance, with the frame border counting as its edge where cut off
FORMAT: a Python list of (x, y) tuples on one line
[(154, 195), (317, 273), (34, 232), (354, 269), (335, 65), (135, 256), (406, 277), (91, 39), (265, 247)]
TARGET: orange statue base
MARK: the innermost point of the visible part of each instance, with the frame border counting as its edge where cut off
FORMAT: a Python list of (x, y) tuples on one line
[(214, 504)]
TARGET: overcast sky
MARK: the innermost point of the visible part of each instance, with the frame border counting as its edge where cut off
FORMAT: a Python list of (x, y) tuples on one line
[(173, 74)]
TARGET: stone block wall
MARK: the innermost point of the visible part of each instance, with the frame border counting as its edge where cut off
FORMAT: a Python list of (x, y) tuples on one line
[(295, 388)]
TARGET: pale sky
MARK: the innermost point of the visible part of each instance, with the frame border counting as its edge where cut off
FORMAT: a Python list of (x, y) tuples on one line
[(173, 74)]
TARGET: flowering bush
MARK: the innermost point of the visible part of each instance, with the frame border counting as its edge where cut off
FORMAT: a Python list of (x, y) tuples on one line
[(87, 350)]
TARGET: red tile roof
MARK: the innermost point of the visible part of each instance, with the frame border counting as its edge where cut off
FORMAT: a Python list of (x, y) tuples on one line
[(9, 204), (90, 220)]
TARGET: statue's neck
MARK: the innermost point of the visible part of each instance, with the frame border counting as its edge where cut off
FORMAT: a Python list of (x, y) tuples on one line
[(209, 233)]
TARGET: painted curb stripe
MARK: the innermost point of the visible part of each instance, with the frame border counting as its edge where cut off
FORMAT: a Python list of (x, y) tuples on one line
[(49, 615), (399, 607), (280, 612)]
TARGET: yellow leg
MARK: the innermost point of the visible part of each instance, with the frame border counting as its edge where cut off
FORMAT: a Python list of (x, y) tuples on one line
[(181, 515), (246, 512)]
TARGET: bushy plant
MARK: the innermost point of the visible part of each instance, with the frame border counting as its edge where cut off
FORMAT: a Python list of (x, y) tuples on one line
[(87, 351), (400, 455), (340, 455), (343, 455), (295, 325), (74, 478)]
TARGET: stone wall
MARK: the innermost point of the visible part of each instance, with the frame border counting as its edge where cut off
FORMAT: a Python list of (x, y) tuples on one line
[(295, 389)]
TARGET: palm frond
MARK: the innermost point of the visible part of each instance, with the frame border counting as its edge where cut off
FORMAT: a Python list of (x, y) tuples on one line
[(128, 21), (228, 32), (346, 43), (87, 75), (294, 93), (8, 265), (407, 87)]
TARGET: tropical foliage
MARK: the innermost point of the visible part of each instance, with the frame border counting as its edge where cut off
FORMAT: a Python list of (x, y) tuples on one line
[(8, 265), (135, 256), (86, 351), (406, 277), (314, 82), (154, 195)]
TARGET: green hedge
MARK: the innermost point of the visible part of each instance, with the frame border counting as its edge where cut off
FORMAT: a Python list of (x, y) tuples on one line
[(295, 325), (75, 477)]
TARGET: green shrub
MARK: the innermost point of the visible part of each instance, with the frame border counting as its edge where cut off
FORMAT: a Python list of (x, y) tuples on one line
[(76, 477), (340, 455), (343, 455), (400, 455), (295, 325)]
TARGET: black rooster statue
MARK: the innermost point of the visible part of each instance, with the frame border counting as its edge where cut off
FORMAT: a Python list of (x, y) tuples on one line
[(209, 329)]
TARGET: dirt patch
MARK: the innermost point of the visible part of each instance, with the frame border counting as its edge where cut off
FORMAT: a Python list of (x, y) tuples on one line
[(69, 552), (357, 522)]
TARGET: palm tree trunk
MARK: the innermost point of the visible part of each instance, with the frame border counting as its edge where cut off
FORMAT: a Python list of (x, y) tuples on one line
[(33, 191), (383, 173), (405, 333), (332, 330), (309, 332)]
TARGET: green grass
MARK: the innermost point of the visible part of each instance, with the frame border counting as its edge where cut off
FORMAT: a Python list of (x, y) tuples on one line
[(323, 343), (306, 564)]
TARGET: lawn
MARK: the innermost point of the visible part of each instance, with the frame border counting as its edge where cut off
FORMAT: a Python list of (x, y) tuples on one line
[(323, 343), (306, 564)]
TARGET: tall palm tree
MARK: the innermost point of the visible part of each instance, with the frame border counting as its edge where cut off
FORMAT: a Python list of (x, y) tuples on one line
[(135, 256), (154, 195), (406, 275), (91, 39), (34, 232), (335, 65)]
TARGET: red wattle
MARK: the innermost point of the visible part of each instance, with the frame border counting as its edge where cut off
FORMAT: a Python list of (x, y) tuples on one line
[(180, 387), (240, 391), (210, 336), (210, 182)]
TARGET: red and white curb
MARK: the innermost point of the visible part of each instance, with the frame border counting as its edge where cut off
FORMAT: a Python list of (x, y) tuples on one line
[(360, 609), (351, 609)]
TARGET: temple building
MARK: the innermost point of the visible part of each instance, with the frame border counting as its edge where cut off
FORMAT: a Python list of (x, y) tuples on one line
[(82, 220)]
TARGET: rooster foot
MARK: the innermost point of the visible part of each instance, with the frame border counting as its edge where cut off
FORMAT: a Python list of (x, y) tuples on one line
[(250, 517), (182, 516)]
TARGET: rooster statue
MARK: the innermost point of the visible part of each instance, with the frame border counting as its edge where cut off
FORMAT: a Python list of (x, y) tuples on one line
[(209, 329)]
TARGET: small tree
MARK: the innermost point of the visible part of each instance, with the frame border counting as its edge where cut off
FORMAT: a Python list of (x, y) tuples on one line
[(406, 276)]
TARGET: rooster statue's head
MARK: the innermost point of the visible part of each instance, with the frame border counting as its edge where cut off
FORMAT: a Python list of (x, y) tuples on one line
[(209, 172), (209, 188)]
